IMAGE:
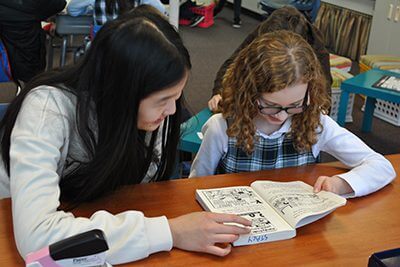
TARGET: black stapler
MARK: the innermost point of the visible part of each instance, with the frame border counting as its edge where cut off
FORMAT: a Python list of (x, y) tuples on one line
[(82, 250)]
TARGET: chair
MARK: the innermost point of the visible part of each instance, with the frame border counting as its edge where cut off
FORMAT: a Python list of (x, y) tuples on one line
[(5, 70), (190, 140), (66, 27), (308, 7), (5, 75), (3, 109)]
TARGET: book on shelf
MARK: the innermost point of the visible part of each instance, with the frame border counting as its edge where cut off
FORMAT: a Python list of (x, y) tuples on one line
[(388, 82), (276, 209)]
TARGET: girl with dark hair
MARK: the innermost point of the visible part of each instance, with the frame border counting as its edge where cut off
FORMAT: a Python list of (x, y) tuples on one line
[(274, 115), (113, 119), (107, 10)]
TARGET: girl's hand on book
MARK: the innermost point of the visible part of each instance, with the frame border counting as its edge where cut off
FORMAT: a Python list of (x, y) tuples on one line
[(201, 231), (333, 184)]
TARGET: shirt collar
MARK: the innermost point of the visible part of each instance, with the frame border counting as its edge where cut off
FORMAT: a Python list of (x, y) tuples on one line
[(281, 131)]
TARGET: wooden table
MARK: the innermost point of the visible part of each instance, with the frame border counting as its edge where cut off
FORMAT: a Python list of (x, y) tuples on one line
[(347, 237), (362, 84)]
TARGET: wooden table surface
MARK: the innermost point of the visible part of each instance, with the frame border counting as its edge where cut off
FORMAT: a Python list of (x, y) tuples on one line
[(346, 237)]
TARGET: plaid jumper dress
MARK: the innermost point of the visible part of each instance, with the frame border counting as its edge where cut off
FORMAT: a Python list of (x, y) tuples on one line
[(268, 154)]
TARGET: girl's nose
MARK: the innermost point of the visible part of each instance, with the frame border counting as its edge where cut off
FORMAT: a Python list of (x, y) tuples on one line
[(171, 108)]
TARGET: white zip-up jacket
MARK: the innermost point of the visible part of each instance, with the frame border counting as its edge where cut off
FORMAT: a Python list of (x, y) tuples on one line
[(43, 139)]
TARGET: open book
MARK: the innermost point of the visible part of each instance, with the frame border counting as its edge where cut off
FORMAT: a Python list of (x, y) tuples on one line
[(276, 209)]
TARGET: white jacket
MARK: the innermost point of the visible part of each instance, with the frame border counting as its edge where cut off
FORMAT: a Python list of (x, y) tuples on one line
[(43, 139)]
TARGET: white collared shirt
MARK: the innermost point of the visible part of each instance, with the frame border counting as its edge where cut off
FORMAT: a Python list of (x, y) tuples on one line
[(370, 170)]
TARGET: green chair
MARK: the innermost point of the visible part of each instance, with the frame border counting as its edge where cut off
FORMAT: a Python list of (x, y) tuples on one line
[(190, 140)]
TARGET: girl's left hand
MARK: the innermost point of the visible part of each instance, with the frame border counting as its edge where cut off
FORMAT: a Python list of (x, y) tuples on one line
[(333, 184)]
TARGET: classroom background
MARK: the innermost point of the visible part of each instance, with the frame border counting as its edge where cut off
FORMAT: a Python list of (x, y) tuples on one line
[(210, 47)]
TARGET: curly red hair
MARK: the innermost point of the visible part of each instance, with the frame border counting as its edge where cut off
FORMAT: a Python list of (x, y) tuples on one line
[(270, 63)]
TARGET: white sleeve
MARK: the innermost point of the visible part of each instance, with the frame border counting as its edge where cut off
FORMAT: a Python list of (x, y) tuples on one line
[(37, 138), (370, 170), (80, 7), (213, 147)]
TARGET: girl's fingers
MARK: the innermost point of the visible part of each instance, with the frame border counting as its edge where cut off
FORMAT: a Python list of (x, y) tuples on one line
[(228, 228), (319, 183), (225, 238), (328, 187), (210, 105), (230, 218), (215, 250)]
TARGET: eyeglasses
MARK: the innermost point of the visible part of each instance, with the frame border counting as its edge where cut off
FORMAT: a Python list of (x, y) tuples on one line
[(271, 110)]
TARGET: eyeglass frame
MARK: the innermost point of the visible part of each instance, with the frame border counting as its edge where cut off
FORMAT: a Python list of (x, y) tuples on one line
[(279, 109)]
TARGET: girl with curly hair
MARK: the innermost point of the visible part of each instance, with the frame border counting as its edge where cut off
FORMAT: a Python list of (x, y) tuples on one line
[(274, 115), (285, 18)]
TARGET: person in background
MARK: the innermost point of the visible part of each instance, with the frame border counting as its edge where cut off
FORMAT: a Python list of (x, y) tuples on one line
[(106, 10), (23, 36), (237, 6), (113, 119), (286, 18), (274, 115)]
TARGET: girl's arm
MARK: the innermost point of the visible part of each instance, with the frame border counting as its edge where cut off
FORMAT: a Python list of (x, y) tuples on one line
[(213, 147), (39, 144), (80, 7), (370, 170)]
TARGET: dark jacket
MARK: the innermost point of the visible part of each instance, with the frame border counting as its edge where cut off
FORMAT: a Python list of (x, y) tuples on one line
[(29, 10), (314, 38), (22, 34)]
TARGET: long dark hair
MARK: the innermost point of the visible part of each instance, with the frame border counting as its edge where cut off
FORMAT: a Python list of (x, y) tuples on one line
[(132, 57)]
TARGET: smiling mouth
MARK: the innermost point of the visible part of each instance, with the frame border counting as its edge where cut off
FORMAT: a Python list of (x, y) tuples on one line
[(158, 121)]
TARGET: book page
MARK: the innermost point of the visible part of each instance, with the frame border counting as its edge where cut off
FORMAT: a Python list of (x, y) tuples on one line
[(296, 202), (245, 202), (388, 82)]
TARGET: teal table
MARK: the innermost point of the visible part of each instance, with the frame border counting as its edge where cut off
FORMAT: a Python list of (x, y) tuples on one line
[(362, 84), (190, 141)]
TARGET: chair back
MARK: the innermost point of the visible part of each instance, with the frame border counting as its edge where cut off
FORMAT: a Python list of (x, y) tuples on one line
[(5, 70), (69, 25), (95, 28), (3, 109)]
